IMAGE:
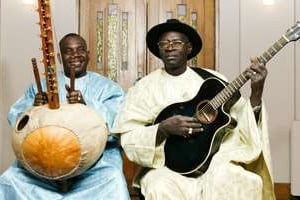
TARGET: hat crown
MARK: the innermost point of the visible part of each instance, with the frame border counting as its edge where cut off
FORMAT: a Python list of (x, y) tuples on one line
[(172, 21)]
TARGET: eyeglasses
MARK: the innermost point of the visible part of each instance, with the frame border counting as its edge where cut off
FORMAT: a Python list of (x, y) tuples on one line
[(175, 44)]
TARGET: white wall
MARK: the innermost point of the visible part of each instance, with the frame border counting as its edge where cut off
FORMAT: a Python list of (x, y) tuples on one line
[(297, 69), (19, 43), (248, 28)]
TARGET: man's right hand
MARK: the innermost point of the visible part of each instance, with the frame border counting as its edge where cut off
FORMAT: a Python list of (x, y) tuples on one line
[(178, 125), (40, 99)]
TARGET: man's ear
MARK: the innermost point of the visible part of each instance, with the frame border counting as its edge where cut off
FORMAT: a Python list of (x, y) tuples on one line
[(189, 47), (59, 58), (88, 54)]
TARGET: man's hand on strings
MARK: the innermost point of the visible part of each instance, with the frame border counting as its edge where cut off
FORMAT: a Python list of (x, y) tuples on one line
[(257, 72)]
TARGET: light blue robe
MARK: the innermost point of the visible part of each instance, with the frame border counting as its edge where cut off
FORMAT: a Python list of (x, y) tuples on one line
[(104, 180)]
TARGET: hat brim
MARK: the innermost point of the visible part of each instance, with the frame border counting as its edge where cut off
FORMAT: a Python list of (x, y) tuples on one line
[(154, 34)]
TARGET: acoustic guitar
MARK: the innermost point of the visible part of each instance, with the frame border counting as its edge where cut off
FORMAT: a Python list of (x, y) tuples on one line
[(191, 156)]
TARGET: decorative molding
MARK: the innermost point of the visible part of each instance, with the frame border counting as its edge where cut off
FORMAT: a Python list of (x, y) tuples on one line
[(182, 12), (193, 62), (124, 37), (99, 40), (169, 15), (112, 42)]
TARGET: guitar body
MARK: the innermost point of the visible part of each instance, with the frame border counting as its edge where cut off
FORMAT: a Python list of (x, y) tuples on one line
[(191, 156)]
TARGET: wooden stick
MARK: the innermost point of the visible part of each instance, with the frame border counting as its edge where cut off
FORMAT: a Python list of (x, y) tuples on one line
[(36, 76), (72, 78)]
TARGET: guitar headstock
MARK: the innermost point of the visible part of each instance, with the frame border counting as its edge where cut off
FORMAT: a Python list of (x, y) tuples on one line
[(293, 33)]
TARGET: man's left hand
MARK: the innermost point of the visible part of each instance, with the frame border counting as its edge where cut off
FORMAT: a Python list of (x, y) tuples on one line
[(257, 73), (74, 96)]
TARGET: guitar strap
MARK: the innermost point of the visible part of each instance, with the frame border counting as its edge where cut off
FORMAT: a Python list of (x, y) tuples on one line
[(205, 74)]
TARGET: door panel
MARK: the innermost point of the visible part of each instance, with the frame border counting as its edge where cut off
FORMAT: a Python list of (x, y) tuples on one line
[(115, 32)]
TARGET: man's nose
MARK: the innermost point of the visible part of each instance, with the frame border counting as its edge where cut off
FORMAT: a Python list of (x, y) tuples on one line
[(74, 54), (170, 47)]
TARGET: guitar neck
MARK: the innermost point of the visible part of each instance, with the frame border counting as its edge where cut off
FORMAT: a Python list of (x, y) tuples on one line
[(225, 94)]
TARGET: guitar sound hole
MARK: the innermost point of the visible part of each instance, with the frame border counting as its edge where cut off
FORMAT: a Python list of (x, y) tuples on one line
[(206, 114)]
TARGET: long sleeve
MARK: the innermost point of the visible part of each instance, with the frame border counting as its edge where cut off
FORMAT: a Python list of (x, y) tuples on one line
[(251, 134), (21, 105), (246, 145), (106, 101), (138, 140)]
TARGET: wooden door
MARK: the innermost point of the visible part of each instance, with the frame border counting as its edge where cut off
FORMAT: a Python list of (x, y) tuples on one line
[(116, 30)]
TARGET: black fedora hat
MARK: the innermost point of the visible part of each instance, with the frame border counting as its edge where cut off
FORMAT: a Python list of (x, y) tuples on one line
[(155, 32)]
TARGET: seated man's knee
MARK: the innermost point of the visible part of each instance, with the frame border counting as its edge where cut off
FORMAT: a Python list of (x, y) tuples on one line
[(154, 182), (162, 184)]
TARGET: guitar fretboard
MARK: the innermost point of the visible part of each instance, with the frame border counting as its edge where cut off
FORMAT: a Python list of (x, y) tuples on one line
[(237, 83)]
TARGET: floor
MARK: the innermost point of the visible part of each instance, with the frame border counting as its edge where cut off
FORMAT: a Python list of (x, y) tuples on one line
[(282, 192)]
